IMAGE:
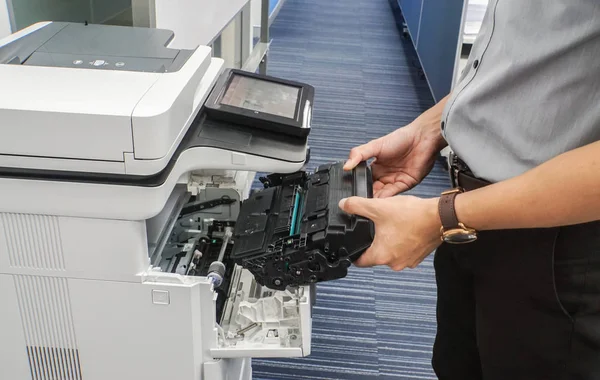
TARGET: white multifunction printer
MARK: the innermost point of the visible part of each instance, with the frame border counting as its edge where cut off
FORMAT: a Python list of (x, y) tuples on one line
[(102, 143), (130, 244)]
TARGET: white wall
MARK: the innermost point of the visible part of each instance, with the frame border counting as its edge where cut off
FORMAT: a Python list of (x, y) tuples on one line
[(104, 10), (195, 22), (256, 8), (28, 12), (4, 20)]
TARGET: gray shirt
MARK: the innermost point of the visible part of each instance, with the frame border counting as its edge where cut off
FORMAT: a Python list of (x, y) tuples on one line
[(531, 89)]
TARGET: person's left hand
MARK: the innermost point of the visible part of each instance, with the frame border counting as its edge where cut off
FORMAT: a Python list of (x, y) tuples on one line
[(407, 229)]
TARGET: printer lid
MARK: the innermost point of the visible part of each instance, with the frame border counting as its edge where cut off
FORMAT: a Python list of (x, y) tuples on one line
[(94, 97)]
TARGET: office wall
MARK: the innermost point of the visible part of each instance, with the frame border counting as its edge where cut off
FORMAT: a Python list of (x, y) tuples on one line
[(29, 12), (412, 9), (435, 27), (256, 8), (4, 19), (255, 12), (439, 38), (195, 22), (108, 10)]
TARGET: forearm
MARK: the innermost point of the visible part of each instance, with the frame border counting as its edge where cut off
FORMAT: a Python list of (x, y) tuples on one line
[(562, 191), (429, 123)]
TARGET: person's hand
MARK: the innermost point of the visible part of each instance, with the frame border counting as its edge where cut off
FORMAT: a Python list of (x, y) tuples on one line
[(407, 229), (402, 159)]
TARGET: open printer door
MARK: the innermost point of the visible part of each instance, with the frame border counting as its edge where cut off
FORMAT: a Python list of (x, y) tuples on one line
[(246, 320), (261, 323)]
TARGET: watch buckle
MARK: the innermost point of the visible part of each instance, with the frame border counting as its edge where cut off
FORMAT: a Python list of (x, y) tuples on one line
[(454, 231), (457, 189)]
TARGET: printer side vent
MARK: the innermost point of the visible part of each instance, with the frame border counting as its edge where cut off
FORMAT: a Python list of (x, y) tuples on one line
[(48, 327), (33, 241)]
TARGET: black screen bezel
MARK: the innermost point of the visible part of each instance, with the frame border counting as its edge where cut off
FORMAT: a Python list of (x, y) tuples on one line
[(295, 126)]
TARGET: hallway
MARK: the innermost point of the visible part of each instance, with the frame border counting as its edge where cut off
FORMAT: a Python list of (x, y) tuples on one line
[(374, 324)]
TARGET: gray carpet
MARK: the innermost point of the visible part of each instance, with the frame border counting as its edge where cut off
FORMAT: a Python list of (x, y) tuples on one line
[(374, 324)]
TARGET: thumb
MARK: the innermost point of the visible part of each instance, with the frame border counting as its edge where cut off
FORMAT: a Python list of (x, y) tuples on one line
[(362, 153), (359, 206)]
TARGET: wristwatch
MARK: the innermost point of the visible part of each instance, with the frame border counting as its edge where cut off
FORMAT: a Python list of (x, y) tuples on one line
[(453, 231)]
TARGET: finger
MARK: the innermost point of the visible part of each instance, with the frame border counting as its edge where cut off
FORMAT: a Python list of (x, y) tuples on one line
[(373, 256), (362, 153), (386, 174), (380, 171), (398, 267), (391, 189), (377, 186), (367, 259), (359, 206)]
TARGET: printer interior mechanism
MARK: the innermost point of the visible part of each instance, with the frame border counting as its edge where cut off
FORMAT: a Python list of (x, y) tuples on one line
[(263, 255), (288, 235)]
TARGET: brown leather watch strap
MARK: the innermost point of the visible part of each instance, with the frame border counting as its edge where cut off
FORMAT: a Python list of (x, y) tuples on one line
[(447, 211)]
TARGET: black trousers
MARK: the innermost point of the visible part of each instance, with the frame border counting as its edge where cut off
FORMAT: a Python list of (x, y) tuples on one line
[(520, 305)]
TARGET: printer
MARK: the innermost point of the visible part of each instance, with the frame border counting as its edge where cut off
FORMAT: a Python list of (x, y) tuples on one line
[(102, 143), (123, 167)]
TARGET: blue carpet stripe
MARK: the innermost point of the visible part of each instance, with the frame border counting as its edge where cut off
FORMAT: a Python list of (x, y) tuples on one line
[(375, 323)]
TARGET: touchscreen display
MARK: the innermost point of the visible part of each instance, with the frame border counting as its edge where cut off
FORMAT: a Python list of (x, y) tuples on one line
[(261, 95)]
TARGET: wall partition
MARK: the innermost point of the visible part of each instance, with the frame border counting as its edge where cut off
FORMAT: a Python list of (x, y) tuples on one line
[(435, 26)]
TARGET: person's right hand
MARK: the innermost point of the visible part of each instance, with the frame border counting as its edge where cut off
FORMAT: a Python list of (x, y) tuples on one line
[(402, 159)]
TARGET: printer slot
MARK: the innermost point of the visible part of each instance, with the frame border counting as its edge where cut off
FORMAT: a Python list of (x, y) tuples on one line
[(195, 243)]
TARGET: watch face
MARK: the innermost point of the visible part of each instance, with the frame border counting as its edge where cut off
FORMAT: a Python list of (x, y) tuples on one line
[(460, 237)]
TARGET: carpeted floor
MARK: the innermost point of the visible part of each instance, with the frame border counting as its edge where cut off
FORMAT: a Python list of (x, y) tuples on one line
[(374, 324)]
